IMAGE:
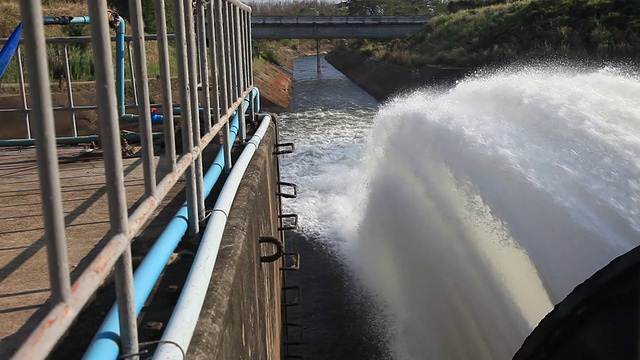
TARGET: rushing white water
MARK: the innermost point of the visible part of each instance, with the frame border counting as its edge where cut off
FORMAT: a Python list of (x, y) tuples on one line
[(472, 211)]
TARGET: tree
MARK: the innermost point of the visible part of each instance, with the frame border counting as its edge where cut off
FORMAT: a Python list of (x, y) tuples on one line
[(393, 7)]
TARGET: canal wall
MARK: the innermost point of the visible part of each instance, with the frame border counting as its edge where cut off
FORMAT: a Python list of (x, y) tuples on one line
[(383, 80), (241, 317), (275, 86)]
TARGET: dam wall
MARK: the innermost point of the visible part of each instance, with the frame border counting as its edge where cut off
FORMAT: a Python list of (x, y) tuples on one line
[(241, 317)]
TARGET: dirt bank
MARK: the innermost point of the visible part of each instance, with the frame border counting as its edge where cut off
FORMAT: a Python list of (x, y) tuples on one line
[(382, 79)]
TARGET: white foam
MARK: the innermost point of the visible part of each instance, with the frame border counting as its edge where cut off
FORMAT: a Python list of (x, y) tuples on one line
[(472, 211)]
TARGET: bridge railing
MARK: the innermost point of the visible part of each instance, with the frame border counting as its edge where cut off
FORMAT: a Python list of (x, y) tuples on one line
[(340, 20), (212, 47)]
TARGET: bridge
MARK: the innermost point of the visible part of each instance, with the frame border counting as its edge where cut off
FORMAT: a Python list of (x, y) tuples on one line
[(336, 27)]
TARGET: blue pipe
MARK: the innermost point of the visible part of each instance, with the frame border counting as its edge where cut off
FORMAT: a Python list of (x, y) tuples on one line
[(6, 54), (65, 20), (155, 118), (105, 344), (80, 20), (256, 99)]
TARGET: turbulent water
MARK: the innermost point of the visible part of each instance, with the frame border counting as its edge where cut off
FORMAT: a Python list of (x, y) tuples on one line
[(469, 212)]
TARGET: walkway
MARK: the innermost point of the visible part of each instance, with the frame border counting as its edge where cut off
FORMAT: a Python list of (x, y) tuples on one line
[(24, 279)]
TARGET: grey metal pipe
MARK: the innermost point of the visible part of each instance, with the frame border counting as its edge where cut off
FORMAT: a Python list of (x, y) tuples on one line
[(47, 156), (110, 132), (142, 82), (185, 116), (23, 95), (165, 79), (67, 74), (195, 113)]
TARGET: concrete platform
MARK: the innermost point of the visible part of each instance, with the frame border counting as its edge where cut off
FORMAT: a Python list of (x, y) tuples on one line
[(24, 278)]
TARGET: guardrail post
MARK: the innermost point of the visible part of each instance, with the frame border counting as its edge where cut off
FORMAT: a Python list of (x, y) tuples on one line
[(195, 111), (67, 74), (110, 130), (204, 66), (23, 94), (215, 74), (240, 85), (144, 108), (132, 71), (165, 79), (223, 58), (185, 111), (47, 156)]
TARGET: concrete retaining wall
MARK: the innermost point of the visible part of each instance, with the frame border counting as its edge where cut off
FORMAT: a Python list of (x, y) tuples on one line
[(383, 80), (241, 317)]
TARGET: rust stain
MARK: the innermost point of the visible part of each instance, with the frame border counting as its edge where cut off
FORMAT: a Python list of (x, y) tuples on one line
[(274, 84)]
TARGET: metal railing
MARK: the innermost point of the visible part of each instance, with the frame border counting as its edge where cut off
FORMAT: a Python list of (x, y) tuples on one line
[(222, 24), (72, 108)]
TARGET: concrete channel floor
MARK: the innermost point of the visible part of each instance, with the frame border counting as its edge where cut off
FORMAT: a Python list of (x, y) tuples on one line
[(24, 277)]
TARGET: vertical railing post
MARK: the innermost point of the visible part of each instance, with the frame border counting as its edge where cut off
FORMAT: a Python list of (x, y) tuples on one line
[(23, 94), (108, 118), (215, 74), (246, 47), (252, 111), (185, 112), (250, 36), (233, 37), (319, 63), (238, 36), (144, 107), (67, 75), (134, 87), (195, 112), (47, 156), (223, 61), (165, 79), (204, 66), (231, 90)]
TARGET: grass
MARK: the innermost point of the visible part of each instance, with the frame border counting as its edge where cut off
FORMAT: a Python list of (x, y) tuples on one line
[(507, 30)]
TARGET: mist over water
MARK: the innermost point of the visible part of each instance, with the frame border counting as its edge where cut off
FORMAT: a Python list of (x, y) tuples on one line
[(470, 212)]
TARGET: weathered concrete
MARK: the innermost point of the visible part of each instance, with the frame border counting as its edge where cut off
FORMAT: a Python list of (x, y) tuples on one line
[(275, 86), (241, 318)]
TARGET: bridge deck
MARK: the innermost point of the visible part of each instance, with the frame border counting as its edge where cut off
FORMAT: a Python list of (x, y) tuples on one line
[(24, 279), (336, 27)]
